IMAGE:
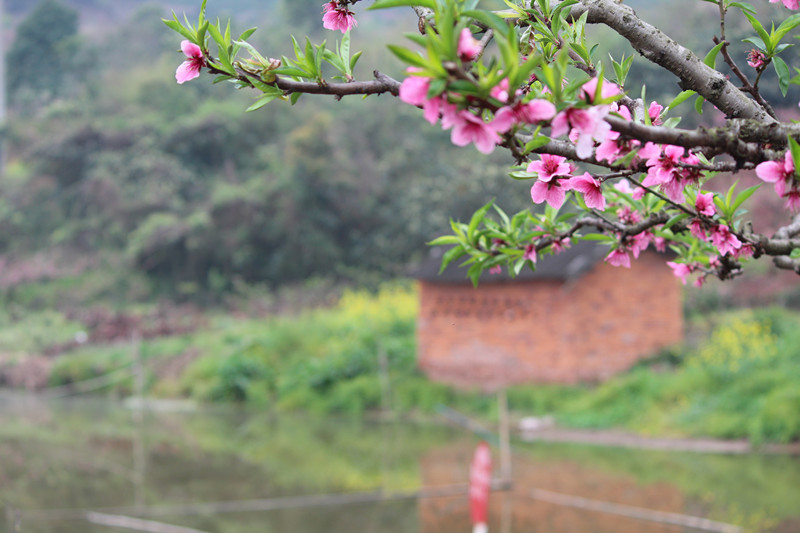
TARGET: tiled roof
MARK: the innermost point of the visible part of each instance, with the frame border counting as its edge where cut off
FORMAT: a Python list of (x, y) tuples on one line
[(569, 264)]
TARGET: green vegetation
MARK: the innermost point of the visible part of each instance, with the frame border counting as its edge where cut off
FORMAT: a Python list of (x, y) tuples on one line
[(148, 191), (741, 382), (178, 186)]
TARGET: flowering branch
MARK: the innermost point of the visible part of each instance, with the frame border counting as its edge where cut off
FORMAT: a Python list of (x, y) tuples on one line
[(659, 48), (526, 100)]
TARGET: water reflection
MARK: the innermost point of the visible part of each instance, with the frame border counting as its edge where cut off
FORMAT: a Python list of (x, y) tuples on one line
[(61, 458)]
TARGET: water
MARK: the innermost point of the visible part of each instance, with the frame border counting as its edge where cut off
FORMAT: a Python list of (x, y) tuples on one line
[(225, 470)]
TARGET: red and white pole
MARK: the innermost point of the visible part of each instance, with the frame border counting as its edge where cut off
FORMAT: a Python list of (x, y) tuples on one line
[(480, 479)]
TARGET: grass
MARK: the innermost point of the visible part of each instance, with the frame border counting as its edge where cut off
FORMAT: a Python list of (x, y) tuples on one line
[(742, 381)]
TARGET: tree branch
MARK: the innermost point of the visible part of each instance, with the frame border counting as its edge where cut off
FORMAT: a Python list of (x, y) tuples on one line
[(381, 84), (659, 48), (743, 140)]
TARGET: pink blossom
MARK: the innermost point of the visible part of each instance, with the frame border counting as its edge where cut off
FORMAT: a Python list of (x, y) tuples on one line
[(550, 165), (724, 240), (450, 113), (414, 91), (470, 128), (665, 170), (654, 112), (662, 166), (705, 204), (791, 4), (660, 244), (697, 230), (792, 198), (337, 17), (559, 245), (468, 48), (747, 250), (504, 119), (530, 253), (618, 257), (607, 89), (497, 269), (590, 187), (680, 270), (776, 171), (534, 111), (624, 187), (782, 174), (756, 58), (626, 215), (552, 192), (609, 150), (190, 69), (640, 243), (588, 124), (501, 91), (614, 146)]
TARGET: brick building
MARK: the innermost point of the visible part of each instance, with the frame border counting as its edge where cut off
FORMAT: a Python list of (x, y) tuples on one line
[(575, 319)]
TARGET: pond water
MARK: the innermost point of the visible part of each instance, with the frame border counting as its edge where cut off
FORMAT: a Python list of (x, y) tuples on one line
[(232, 471)]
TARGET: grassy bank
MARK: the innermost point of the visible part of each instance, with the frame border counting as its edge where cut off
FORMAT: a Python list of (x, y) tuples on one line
[(742, 380)]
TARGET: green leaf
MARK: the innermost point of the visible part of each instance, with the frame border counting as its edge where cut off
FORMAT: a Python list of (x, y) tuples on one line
[(491, 20), (782, 70), (674, 220), (217, 36), (175, 25), (760, 31), (536, 142), (743, 196), (786, 26), (292, 71), (444, 240), (383, 4), (476, 219), (451, 255), (261, 102), (711, 56), (794, 149), (474, 273), (406, 55), (744, 6), (698, 105), (354, 60), (520, 264)]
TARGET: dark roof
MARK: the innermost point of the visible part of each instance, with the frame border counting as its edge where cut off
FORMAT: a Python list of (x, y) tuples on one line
[(571, 263)]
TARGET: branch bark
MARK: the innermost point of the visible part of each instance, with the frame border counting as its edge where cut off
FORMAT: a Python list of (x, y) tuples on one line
[(659, 48), (381, 84)]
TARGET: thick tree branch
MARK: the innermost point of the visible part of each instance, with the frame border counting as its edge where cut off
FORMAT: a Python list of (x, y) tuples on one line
[(730, 139), (659, 48), (381, 84)]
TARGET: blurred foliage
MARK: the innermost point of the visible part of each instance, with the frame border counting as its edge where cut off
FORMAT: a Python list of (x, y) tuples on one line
[(742, 382), (200, 196), (48, 56)]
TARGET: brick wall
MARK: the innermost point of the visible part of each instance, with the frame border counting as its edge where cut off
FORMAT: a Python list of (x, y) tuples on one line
[(585, 329)]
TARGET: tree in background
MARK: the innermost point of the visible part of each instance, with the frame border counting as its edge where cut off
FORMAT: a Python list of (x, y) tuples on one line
[(44, 53), (528, 79)]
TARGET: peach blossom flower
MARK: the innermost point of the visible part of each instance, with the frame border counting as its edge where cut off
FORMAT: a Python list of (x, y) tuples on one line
[(190, 69), (337, 17), (468, 48)]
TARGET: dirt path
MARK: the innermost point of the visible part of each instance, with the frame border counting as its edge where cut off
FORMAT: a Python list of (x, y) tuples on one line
[(629, 440)]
